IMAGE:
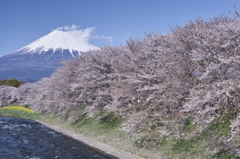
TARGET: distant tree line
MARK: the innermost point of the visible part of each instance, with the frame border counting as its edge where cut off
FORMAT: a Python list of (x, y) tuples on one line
[(11, 82)]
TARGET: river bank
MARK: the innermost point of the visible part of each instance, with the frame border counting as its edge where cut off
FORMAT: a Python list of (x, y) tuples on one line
[(28, 139), (104, 149), (103, 132), (97, 140)]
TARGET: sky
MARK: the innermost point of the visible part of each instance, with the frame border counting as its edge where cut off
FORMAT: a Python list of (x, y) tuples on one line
[(100, 22)]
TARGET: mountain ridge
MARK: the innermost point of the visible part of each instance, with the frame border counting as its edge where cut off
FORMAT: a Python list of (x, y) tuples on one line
[(58, 40), (43, 56)]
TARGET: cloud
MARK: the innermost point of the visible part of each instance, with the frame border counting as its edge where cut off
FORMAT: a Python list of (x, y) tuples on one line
[(108, 38), (127, 35), (67, 28), (85, 34)]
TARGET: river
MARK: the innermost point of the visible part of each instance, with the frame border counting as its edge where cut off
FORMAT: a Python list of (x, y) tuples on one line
[(26, 139)]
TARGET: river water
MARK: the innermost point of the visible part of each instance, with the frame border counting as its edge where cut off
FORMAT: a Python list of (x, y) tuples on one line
[(26, 139)]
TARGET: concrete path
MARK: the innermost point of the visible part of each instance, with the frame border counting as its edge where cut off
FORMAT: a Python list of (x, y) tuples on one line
[(104, 149)]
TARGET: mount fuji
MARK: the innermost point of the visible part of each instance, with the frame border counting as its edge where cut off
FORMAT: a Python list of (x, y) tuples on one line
[(40, 58)]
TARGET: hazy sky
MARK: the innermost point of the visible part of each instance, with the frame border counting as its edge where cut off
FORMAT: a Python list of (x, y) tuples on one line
[(104, 21)]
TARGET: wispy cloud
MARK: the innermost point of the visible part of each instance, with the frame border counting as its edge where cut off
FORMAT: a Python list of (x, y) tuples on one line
[(126, 37), (67, 28), (108, 38), (85, 34)]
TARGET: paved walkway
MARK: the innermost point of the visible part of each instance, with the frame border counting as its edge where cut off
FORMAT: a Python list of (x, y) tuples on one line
[(104, 149)]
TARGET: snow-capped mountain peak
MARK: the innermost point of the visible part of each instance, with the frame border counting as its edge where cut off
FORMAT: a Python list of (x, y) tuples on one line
[(42, 57), (59, 40)]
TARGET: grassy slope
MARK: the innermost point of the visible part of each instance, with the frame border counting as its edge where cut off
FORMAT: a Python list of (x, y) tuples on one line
[(105, 127), (19, 112), (202, 145)]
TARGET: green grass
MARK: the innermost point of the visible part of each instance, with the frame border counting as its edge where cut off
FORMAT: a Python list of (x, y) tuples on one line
[(101, 123), (221, 125), (209, 137), (188, 125), (224, 154), (105, 127), (18, 112), (193, 147)]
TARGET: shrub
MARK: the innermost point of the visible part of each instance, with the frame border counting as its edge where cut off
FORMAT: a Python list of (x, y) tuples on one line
[(11, 82), (18, 112)]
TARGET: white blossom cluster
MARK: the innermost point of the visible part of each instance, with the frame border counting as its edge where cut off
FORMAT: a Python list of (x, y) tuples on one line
[(191, 71)]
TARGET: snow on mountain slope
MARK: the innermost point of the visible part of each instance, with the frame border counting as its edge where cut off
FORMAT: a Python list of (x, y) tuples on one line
[(58, 40), (42, 57)]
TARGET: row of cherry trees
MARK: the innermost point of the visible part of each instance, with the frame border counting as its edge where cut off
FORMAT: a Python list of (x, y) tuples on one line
[(193, 70)]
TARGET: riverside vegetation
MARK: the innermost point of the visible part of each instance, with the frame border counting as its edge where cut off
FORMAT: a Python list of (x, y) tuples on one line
[(11, 82), (166, 96)]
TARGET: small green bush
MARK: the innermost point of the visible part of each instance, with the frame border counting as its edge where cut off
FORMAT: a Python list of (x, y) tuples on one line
[(188, 125), (153, 126), (160, 124), (11, 82)]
